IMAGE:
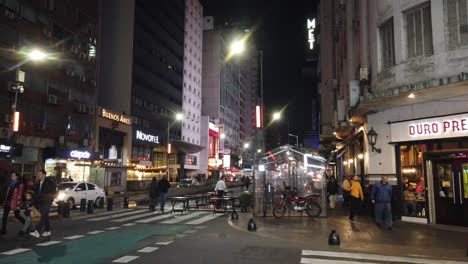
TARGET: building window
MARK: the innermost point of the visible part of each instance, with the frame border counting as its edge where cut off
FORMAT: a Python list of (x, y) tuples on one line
[(419, 32), (456, 20), (387, 44)]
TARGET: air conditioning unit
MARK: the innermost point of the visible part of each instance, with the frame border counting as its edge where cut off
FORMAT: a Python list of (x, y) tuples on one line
[(52, 99), (82, 108), (363, 74), (7, 118)]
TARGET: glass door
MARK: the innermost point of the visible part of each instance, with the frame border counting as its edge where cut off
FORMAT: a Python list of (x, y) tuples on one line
[(450, 190)]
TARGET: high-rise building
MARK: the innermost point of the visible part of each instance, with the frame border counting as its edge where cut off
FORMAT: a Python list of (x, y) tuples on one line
[(144, 52), (56, 95), (192, 92)]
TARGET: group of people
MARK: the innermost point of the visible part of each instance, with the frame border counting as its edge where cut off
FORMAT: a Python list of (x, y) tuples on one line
[(34, 198), (353, 197), (159, 189)]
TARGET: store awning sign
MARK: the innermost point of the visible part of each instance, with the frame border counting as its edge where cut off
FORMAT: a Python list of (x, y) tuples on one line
[(80, 154), (431, 128), (116, 117), (4, 148)]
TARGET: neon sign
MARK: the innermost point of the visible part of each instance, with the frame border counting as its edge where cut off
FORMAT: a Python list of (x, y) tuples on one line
[(80, 154), (146, 137), (310, 33)]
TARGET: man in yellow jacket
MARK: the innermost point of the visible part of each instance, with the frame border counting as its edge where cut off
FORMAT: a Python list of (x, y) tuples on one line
[(356, 196)]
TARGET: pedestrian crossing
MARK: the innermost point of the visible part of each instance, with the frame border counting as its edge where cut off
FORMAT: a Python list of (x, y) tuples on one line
[(142, 216), (335, 257)]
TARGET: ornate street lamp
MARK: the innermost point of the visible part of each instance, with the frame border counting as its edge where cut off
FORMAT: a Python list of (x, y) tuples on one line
[(372, 137)]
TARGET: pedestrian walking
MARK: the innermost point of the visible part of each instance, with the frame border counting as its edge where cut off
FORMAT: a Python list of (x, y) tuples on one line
[(247, 182), (332, 191), (346, 187), (382, 198), (163, 188), (45, 191), (28, 209), (153, 193), (12, 201), (356, 196), (220, 187)]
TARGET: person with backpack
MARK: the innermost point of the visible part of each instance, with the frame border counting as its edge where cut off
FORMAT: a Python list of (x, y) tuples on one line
[(45, 191), (13, 200)]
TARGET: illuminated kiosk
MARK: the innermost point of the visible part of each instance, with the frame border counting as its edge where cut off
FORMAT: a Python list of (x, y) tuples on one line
[(290, 166)]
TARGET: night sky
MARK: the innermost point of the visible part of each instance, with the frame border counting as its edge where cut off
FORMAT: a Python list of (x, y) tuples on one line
[(280, 31)]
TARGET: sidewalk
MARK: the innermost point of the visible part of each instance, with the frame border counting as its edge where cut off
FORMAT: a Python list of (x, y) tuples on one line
[(410, 240)]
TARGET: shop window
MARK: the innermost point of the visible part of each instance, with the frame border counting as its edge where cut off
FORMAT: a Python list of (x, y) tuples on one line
[(413, 180)]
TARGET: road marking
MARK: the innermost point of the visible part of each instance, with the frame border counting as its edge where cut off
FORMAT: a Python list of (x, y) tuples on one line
[(203, 219), (73, 237), (183, 218), (190, 231), (113, 228), (147, 249), (15, 251), (164, 243), (361, 256), (79, 216), (201, 227), (96, 232), (180, 235), (129, 224), (330, 261), (152, 219), (45, 244), (125, 259), (134, 217), (113, 216)]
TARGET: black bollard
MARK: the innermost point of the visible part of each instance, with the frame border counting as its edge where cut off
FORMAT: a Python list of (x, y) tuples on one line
[(126, 199), (100, 203), (66, 210), (234, 215), (61, 205), (83, 205), (252, 226), (152, 205), (110, 203), (90, 207), (334, 238)]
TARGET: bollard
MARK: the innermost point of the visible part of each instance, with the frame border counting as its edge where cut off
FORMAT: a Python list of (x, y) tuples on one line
[(100, 202), (252, 226), (110, 203), (66, 210), (334, 238), (126, 199), (234, 215), (90, 207), (152, 205), (60, 207), (83, 205)]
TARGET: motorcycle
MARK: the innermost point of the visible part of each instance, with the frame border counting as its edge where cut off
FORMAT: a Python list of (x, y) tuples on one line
[(290, 200)]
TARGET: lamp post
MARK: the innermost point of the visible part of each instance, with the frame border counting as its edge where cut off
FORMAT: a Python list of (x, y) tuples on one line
[(372, 137), (178, 118)]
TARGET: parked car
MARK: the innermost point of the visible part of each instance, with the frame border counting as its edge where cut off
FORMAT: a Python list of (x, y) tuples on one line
[(188, 182), (73, 192)]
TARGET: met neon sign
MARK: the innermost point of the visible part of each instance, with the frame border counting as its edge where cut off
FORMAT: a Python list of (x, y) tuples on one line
[(311, 33)]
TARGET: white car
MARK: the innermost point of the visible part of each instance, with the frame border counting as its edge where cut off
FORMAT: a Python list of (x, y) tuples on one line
[(73, 192)]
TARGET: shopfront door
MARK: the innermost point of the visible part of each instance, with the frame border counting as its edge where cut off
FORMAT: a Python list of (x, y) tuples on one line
[(450, 176)]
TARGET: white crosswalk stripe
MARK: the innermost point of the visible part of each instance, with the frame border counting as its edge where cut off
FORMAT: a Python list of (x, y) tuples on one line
[(113, 216), (322, 257), (153, 219), (203, 219), (135, 217), (46, 244), (183, 218), (15, 251)]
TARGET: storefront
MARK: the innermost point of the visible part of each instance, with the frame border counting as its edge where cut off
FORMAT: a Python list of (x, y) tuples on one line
[(66, 164), (113, 135), (432, 167)]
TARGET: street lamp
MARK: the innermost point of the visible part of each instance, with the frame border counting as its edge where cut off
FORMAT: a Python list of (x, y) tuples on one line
[(222, 136), (276, 116), (178, 117), (36, 55), (246, 145), (237, 47), (372, 137)]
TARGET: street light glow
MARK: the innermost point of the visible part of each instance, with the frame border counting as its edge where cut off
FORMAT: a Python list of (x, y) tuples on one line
[(179, 116), (237, 47), (259, 150), (276, 116), (246, 145), (222, 136), (37, 55)]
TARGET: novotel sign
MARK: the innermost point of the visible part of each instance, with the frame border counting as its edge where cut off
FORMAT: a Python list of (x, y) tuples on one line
[(80, 154), (116, 117), (431, 128), (146, 137)]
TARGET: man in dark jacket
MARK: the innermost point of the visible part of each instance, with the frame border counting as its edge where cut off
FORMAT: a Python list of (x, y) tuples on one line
[(153, 193), (382, 198), (332, 191), (163, 187), (45, 191)]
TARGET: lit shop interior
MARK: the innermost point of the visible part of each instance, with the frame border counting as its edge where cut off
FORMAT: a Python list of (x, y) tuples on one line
[(289, 166)]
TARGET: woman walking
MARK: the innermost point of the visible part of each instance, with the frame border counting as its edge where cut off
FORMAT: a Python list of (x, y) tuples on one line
[(13, 200), (356, 197)]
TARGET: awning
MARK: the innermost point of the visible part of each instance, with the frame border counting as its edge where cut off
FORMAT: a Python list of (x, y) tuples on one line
[(185, 147)]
